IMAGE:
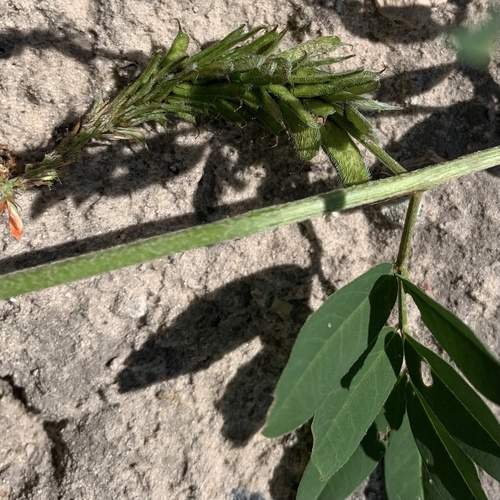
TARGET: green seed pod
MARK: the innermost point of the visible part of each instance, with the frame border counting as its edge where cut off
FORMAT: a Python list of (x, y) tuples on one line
[(317, 47), (302, 126), (319, 107), (360, 122), (344, 154), (352, 81), (177, 50)]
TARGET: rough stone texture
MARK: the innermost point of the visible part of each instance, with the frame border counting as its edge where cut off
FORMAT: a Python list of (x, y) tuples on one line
[(26, 449), (415, 14), (154, 381)]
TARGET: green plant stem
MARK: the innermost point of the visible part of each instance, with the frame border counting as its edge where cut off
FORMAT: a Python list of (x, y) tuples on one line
[(409, 226), (404, 250), (253, 222)]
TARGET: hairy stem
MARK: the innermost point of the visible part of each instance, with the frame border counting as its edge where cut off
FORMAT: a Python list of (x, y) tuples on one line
[(404, 250), (243, 225)]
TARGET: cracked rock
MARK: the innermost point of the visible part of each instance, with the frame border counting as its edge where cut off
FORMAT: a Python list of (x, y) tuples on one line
[(25, 450)]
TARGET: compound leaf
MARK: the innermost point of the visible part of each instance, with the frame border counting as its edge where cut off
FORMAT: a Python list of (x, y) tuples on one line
[(459, 408), (472, 357), (347, 412), (330, 341)]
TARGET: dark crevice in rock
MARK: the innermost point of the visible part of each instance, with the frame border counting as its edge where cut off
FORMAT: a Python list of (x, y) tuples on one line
[(59, 450), (19, 393), (53, 429)]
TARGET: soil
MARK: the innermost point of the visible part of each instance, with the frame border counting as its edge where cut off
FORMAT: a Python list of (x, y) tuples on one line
[(153, 382)]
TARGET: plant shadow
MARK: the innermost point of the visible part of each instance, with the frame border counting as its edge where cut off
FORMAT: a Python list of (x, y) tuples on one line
[(285, 179), (456, 130), (446, 132), (383, 23), (270, 305), (252, 307)]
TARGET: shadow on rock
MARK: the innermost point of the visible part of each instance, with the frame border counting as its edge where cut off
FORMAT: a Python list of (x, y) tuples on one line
[(286, 476), (450, 132), (391, 24), (271, 305), (446, 132), (297, 451)]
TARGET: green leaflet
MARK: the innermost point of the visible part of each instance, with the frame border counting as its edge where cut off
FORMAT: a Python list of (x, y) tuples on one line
[(352, 81), (319, 108), (381, 155), (451, 471), (230, 66), (403, 474), (324, 62), (229, 110), (208, 91), (269, 114), (293, 104), (361, 102), (177, 50), (360, 465), (360, 122), (310, 75), (472, 357), (218, 49), (351, 406), (275, 70), (342, 329), (263, 45), (128, 133), (458, 407), (363, 87), (131, 94), (364, 459), (344, 154)]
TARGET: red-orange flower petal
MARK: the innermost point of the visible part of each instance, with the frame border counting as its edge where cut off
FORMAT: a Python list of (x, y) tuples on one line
[(15, 221)]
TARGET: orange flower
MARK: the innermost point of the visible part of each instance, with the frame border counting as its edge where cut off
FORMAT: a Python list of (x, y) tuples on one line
[(15, 222)]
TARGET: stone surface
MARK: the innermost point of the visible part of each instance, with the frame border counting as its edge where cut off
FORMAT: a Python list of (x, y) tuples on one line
[(154, 381)]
